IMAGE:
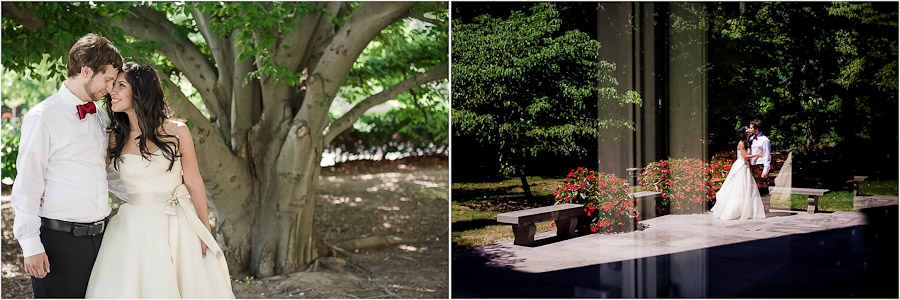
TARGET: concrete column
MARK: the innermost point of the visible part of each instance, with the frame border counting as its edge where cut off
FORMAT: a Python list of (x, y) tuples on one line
[(615, 33), (687, 123), (687, 82)]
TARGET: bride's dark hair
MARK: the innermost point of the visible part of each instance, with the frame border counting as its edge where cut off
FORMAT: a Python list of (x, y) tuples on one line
[(742, 136), (151, 109)]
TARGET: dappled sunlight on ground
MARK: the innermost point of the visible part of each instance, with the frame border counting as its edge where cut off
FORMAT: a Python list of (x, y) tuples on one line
[(412, 248), (334, 179), (406, 206), (343, 200)]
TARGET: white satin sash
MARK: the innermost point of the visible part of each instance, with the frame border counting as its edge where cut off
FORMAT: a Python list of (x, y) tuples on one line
[(181, 199)]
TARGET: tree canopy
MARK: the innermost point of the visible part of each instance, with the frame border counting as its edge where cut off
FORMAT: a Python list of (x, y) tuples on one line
[(818, 74), (523, 87)]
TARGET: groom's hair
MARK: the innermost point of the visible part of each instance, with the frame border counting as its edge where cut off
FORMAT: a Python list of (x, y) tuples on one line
[(92, 51), (756, 124)]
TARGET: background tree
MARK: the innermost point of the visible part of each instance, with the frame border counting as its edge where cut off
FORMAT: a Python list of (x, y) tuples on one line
[(823, 76), (267, 73), (523, 87)]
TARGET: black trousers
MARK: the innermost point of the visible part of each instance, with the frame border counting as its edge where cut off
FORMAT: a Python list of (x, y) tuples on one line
[(71, 260)]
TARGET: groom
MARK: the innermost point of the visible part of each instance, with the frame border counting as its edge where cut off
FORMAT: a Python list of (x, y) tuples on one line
[(60, 196), (760, 165)]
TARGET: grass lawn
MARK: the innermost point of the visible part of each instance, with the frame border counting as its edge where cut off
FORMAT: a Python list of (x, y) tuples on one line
[(473, 228), (884, 187), (476, 205), (841, 200)]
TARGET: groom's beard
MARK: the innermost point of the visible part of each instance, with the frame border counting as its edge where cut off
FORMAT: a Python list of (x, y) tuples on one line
[(92, 94)]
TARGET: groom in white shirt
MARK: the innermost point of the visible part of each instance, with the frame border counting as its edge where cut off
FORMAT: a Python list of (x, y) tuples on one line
[(60, 195), (760, 144)]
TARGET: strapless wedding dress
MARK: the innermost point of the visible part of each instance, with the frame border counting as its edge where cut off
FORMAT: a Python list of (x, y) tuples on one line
[(739, 196), (151, 248)]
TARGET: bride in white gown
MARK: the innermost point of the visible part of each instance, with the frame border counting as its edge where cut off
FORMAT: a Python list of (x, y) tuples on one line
[(159, 244), (739, 196)]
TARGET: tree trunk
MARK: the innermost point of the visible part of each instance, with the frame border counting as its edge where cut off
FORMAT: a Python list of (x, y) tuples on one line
[(525, 186), (261, 149)]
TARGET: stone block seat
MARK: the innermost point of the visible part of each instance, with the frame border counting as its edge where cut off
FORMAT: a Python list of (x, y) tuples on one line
[(522, 221), (855, 184), (813, 194)]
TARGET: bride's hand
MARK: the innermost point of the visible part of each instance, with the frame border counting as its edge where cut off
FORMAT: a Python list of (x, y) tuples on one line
[(202, 244)]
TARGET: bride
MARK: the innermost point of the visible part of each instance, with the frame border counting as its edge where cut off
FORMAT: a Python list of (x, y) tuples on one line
[(739, 196), (159, 244)]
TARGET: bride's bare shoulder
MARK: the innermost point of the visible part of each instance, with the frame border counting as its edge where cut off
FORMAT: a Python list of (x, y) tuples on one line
[(175, 127), (179, 128)]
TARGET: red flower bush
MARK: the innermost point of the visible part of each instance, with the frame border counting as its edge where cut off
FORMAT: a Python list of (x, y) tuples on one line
[(718, 169), (686, 184), (607, 201)]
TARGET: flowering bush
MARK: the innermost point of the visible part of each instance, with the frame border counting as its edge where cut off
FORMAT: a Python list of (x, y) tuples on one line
[(686, 184), (607, 201), (721, 164), (682, 183), (718, 169)]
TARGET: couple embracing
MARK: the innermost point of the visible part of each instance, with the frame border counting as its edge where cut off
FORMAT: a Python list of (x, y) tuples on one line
[(739, 196), (71, 154)]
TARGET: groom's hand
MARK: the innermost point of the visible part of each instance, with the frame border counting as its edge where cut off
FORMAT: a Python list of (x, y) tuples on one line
[(37, 265)]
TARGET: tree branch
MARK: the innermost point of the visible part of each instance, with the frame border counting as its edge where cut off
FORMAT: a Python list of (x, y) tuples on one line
[(217, 163), (219, 48), (347, 120), (299, 38), (154, 26), (421, 17), (245, 102), (23, 17), (324, 32), (360, 28)]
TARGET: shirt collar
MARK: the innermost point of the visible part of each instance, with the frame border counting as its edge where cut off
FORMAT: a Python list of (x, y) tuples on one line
[(68, 97)]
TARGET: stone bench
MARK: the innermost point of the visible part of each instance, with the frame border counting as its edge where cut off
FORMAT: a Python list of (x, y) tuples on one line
[(645, 194), (856, 181), (813, 194), (522, 221)]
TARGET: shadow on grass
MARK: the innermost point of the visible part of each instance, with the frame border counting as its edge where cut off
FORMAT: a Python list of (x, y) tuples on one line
[(479, 179), (472, 224), (469, 194)]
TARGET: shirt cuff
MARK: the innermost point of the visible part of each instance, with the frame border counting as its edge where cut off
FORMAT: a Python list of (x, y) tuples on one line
[(31, 246)]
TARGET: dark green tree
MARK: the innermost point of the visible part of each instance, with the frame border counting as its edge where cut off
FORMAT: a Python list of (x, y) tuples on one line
[(523, 87), (821, 75)]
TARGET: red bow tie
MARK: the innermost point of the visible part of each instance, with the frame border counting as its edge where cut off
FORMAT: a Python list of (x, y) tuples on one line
[(85, 109)]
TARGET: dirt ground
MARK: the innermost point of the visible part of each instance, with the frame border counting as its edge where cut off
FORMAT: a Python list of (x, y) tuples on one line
[(385, 223)]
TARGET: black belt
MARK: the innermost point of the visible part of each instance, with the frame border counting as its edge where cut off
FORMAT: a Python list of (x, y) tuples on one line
[(77, 229)]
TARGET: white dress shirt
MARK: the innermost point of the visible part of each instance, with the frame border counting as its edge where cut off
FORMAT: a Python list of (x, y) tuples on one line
[(62, 158), (762, 145)]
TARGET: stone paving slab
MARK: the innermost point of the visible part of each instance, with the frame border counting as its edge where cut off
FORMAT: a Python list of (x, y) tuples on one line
[(664, 235), (860, 202)]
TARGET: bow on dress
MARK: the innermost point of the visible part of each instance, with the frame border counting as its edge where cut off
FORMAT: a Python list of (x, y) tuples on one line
[(179, 199)]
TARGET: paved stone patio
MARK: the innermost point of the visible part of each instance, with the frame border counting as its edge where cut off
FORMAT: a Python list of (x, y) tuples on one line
[(694, 255)]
